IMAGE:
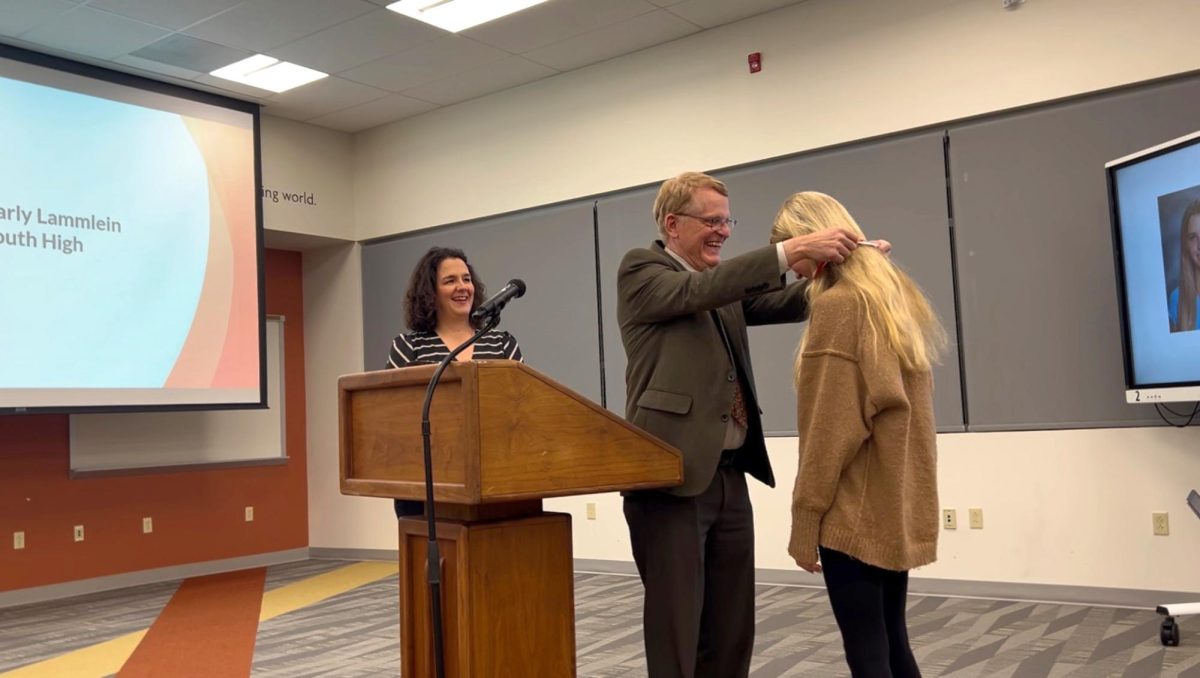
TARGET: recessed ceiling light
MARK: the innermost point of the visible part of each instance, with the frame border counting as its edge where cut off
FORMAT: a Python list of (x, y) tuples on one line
[(457, 15), (268, 73)]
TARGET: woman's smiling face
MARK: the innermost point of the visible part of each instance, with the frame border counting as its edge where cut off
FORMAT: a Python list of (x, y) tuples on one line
[(455, 290)]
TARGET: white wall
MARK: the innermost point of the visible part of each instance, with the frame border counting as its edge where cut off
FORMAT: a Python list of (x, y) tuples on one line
[(1069, 508), (833, 71), (1063, 507), (333, 342), (305, 160)]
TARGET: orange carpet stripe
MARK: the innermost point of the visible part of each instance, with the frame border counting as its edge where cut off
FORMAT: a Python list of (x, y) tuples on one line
[(207, 629)]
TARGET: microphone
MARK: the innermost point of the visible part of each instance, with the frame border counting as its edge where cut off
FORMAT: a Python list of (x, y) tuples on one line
[(515, 288)]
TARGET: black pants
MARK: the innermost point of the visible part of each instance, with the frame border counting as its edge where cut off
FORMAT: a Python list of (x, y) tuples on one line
[(869, 605), (696, 559)]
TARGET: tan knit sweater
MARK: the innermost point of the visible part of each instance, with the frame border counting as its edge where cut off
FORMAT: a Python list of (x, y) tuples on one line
[(867, 482)]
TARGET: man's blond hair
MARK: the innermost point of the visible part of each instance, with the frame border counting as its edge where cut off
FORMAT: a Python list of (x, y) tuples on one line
[(675, 195)]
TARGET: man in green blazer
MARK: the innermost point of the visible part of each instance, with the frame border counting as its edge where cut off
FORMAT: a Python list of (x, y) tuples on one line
[(689, 381)]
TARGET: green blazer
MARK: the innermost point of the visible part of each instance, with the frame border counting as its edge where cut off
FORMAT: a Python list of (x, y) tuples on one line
[(679, 381)]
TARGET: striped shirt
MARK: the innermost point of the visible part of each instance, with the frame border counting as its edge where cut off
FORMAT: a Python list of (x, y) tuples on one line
[(427, 347)]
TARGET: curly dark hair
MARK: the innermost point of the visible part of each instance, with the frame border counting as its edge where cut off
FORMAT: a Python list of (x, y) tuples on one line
[(420, 302)]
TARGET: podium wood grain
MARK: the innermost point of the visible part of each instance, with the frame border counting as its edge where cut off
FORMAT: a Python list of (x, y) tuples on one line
[(508, 599), (504, 437)]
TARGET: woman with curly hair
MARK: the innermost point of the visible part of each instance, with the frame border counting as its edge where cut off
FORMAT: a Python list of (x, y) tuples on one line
[(442, 293)]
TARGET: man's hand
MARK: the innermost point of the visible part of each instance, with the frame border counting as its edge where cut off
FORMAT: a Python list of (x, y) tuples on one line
[(832, 245)]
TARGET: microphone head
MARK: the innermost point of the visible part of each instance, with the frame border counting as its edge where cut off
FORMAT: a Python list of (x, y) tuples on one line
[(520, 285)]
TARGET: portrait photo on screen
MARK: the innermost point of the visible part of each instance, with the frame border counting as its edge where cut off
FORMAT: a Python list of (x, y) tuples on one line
[(1179, 224)]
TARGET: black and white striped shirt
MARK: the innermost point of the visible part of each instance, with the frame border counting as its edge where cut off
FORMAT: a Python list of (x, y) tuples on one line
[(428, 347)]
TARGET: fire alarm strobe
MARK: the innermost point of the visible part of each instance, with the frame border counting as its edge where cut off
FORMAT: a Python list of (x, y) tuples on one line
[(755, 60)]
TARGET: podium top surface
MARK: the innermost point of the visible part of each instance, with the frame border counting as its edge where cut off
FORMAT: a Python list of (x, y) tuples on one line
[(500, 432)]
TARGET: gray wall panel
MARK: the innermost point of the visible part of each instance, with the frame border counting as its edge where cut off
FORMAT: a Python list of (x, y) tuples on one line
[(550, 248), (625, 223), (895, 189), (1042, 340)]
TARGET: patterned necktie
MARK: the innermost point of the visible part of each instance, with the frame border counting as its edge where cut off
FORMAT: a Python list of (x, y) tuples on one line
[(738, 411)]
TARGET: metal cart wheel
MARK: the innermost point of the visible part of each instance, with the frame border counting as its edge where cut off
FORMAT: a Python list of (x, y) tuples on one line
[(1169, 633)]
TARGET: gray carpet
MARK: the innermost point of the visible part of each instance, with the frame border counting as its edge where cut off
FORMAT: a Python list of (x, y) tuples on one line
[(355, 634)]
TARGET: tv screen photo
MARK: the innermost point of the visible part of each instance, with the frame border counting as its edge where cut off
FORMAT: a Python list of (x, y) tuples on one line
[(1155, 200), (1179, 221)]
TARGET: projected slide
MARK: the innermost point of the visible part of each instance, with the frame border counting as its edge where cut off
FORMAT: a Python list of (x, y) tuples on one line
[(1158, 214), (128, 246)]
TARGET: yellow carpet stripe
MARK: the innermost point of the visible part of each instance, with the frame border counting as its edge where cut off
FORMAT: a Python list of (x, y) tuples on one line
[(101, 659), (315, 589), (105, 659)]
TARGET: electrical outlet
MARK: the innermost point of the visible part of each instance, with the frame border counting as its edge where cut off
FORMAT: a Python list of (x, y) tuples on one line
[(79, 533), (975, 517), (1162, 526), (18, 541), (950, 519), (249, 514), (147, 525), (591, 511)]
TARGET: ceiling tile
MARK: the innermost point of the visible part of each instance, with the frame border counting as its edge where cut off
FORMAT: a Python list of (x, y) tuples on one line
[(553, 22), (630, 36), (235, 89), (172, 14), (432, 61), (358, 41), (323, 96), (374, 113), (260, 25), (18, 16), (94, 33), (485, 79), (157, 67), (710, 13), (388, 66), (184, 51)]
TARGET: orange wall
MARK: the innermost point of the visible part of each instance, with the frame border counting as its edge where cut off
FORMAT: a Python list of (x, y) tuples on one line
[(198, 515)]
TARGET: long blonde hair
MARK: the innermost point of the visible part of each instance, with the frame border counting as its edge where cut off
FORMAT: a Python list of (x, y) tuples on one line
[(896, 307), (1189, 284)]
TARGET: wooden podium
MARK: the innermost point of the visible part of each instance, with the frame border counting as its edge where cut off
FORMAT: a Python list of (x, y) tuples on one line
[(504, 437)]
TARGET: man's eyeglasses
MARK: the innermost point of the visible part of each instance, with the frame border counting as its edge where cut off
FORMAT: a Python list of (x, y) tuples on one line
[(714, 223)]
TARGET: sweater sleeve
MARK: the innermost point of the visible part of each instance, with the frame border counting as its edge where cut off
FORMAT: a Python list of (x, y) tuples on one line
[(833, 419)]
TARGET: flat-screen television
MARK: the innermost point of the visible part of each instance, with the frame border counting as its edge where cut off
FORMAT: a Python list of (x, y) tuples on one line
[(1154, 200), (130, 243)]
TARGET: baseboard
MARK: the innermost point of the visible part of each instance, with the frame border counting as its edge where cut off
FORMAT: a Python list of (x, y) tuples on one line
[(38, 594), (353, 554), (992, 590), (1049, 593), (606, 566)]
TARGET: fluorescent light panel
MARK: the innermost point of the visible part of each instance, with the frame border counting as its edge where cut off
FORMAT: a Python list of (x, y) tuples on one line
[(268, 73), (458, 15)]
